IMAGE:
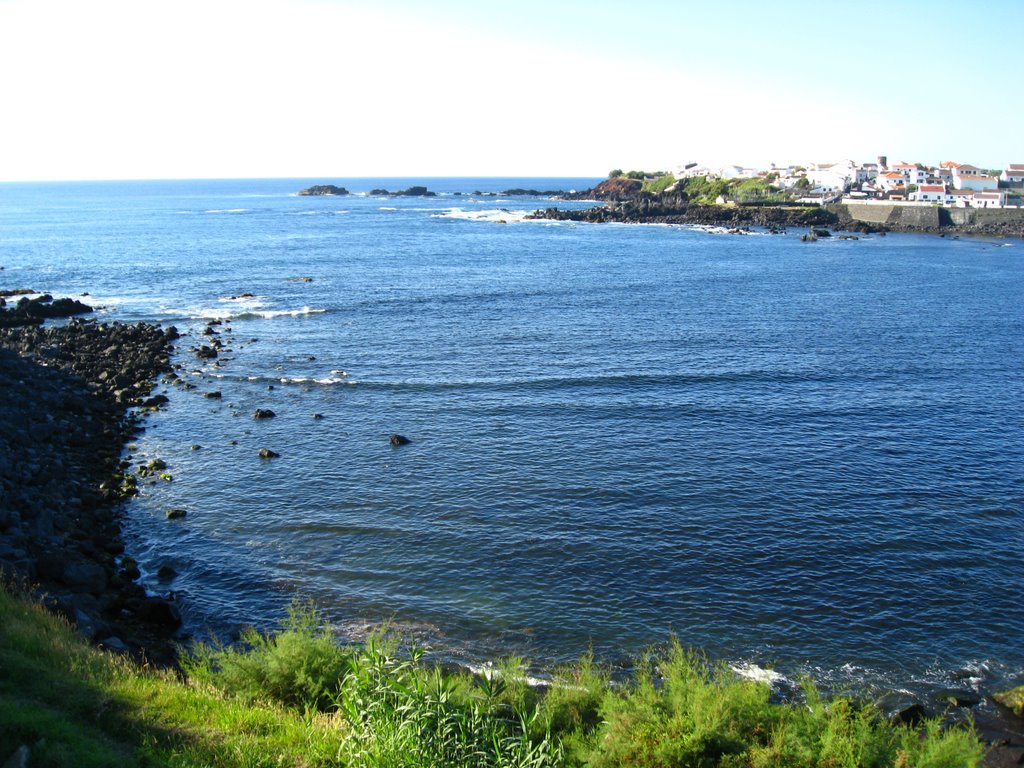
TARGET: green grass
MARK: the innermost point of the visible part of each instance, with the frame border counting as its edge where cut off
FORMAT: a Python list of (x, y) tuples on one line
[(296, 698), (660, 184)]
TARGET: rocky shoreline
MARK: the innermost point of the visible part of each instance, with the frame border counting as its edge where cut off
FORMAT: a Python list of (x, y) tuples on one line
[(657, 211), (628, 206), (72, 396)]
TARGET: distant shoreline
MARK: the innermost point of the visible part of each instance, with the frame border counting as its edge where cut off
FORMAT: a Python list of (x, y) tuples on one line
[(671, 208)]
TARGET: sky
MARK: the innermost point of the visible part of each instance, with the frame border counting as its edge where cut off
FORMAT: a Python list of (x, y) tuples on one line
[(137, 89)]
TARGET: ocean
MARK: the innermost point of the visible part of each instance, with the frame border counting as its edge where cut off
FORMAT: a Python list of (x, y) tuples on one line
[(799, 457)]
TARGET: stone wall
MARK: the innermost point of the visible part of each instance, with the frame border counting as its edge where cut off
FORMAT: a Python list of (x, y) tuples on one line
[(892, 215), (988, 217)]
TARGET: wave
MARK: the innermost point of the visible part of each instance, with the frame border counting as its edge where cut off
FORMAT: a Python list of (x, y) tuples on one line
[(323, 381), (270, 314), (227, 210), (750, 671), (495, 215), (250, 310), (549, 383)]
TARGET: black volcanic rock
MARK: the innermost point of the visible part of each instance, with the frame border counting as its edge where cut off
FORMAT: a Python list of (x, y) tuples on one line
[(320, 190), (417, 192), (533, 192), (61, 474), (35, 311)]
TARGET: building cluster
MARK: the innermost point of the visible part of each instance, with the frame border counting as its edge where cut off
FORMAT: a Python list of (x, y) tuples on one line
[(948, 184)]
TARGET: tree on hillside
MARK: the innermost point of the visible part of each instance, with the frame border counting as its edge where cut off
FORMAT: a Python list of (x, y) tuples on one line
[(615, 174)]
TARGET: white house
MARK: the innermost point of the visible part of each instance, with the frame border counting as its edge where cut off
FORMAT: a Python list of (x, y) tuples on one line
[(866, 172), (903, 168), (974, 181), (932, 194), (945, 175), (828, 180), (891, 181), (960, 198), (1013, 173), (992, 198), (917, 176), (735, 172)]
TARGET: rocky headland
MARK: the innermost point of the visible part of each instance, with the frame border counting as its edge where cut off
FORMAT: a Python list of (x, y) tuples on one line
[(626, 201), (72, 395)]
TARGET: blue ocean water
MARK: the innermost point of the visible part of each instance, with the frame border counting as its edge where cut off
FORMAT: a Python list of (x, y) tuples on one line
[(801, 456)]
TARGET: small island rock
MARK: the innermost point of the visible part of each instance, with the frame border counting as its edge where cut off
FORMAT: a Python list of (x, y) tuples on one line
[(320, 190)]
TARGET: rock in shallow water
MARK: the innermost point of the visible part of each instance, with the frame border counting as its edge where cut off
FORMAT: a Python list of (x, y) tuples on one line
[(1012, 699)]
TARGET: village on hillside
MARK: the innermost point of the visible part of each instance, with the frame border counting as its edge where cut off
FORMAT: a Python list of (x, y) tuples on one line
[(949, 184)]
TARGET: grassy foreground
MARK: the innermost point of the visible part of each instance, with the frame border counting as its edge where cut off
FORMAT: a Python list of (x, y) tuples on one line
[(297, 699)]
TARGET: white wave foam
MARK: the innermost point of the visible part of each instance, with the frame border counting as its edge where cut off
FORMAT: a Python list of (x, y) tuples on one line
[(239, 309), (227, 210), (387, 208), (494, 215), (489, 672), (326, 381), (758, 674), (250, 302), (270, 314)]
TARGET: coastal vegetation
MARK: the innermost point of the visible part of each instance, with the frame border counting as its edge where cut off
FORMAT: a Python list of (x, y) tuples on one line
[(296, 697), (708, 190)]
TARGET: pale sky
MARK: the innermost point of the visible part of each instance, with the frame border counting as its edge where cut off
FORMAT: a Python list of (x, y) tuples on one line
[(129, 89)]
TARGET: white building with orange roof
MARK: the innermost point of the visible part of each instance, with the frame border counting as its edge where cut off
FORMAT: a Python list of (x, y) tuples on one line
[(932, 193), (891, 181)]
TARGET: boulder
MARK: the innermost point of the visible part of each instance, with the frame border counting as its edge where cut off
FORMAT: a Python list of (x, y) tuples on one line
[(264, 413), (85, 576), (266, 453), (1012, 699), (900, 709), (19, 758), (156, 610), (399, 440), (957, 697)]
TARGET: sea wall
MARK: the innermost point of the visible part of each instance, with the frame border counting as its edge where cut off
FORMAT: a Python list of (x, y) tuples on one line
[(1011, 220), (906, 217), (892, 215)]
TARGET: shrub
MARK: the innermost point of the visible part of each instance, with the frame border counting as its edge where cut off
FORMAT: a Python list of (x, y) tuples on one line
[(300, 666)]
